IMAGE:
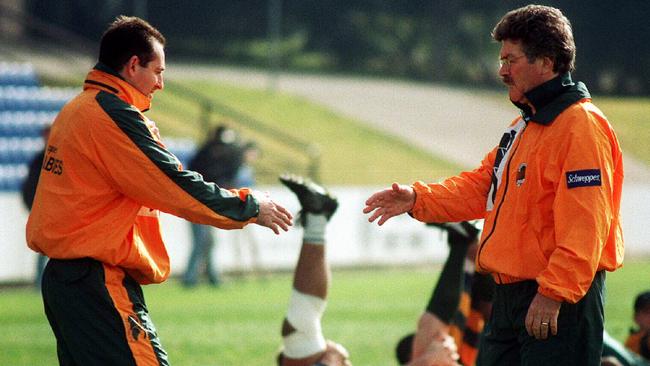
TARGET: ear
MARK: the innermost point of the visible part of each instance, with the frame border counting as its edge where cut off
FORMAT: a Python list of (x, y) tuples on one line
[(547, 65), (130, 67)]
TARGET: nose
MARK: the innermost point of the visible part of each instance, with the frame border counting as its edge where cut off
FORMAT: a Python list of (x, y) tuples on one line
[(161, 83), (503, 70)]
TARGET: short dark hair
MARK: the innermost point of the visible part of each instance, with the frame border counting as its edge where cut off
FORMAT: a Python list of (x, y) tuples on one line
[(127, 37), (642, 301), (543, 31), (403, 349)]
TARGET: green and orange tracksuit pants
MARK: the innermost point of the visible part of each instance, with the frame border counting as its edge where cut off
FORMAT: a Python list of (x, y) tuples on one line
[(98, 315)]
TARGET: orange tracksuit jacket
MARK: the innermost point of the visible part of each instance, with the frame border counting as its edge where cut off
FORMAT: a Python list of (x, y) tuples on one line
[(549, 193), (104, 178)]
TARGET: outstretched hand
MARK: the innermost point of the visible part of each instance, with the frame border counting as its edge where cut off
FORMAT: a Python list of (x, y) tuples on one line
[(272, 215), (396, 200)]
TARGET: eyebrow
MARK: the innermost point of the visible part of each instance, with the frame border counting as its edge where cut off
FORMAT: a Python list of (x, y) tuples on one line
[(511, 55)]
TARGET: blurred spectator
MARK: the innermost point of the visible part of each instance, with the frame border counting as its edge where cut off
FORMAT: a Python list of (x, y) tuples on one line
[(28, 191), (246, 178), (246, 173), (639, 339), (218, 160)]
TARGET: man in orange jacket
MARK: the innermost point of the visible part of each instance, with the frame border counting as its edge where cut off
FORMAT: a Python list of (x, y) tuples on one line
[(105, 176), (550, 195)]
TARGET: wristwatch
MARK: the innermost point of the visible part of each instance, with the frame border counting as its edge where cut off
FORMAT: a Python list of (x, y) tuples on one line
[(319, 364)]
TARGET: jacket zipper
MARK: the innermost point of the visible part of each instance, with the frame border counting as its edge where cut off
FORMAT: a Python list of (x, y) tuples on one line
[(503, 197)]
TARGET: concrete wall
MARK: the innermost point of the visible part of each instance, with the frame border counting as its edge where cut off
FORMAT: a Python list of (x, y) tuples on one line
[(352, 241)]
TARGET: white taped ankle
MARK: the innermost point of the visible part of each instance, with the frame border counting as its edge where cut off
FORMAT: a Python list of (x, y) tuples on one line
[(301, 345), (304, 315)]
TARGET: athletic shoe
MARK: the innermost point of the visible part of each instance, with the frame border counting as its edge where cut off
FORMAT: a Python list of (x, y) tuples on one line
[(313, 198)]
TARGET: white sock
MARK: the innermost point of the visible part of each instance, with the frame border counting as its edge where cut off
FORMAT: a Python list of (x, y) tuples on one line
[(314, 228)]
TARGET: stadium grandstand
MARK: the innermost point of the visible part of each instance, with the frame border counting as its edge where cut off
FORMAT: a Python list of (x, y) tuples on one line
[(26, 107)]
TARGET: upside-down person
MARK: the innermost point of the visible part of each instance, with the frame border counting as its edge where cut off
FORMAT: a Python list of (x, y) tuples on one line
[(639, 339), (458, 306), (303, 341)]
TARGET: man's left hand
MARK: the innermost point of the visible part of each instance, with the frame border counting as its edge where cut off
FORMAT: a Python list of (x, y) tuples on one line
[(542, 316)]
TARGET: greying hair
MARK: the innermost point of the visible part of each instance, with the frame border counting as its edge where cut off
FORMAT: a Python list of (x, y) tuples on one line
[(543, 31)]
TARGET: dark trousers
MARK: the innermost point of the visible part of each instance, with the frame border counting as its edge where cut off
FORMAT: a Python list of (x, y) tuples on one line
[(580, 329), (98, 315)]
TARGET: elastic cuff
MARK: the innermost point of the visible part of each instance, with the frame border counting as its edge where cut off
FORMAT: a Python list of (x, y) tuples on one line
[(549, 294), (415, 208)]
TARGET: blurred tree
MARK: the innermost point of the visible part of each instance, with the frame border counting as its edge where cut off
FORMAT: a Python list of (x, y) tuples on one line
[(88, 18), (437, 40)]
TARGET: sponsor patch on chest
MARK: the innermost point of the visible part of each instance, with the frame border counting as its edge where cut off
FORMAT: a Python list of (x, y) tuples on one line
[(583, 178), (521, 174)]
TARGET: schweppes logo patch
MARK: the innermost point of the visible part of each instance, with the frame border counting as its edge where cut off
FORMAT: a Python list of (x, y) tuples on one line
[(583, 178)]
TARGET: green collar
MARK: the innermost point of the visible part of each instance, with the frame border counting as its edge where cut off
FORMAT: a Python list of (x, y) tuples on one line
[(105, 68), (551, 98)]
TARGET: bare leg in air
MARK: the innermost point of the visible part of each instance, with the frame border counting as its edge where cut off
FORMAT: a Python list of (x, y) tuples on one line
[(303, 341)]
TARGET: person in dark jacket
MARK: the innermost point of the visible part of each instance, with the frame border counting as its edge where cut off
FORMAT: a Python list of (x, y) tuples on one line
[(28, 191), (218, 160)]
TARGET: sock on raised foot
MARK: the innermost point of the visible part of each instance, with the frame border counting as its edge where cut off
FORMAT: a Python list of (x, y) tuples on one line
[(314, 226)]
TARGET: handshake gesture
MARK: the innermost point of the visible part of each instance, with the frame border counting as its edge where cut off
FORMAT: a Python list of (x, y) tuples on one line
[(394, 201)]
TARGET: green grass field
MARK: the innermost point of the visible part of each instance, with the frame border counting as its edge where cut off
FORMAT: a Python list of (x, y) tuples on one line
[(239, 323), (350, 151), (629, 116)]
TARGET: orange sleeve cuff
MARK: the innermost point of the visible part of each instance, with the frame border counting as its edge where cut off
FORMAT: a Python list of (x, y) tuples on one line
[(419, 209), (550, 294)]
